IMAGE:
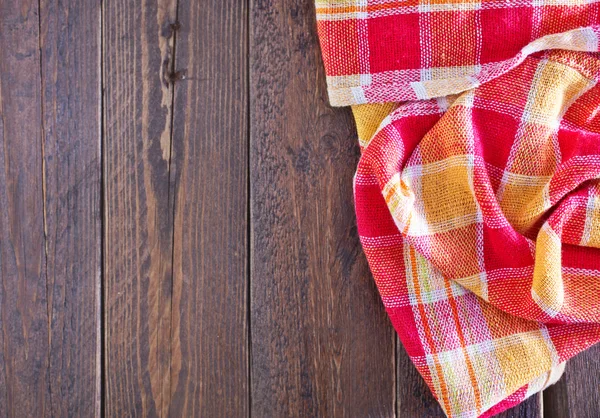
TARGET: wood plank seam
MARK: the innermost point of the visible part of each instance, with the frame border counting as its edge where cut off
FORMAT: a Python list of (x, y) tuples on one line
[(172, 186)]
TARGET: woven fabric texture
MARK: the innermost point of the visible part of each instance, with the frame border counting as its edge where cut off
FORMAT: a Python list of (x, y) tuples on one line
[(477, 192)]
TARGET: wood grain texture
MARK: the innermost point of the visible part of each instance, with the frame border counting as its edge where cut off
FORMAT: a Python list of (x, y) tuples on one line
[(50, 209), (577, 393), (234, 281), (138, 43), (321, 343), (71, 104), (210, 143), (24, 320)]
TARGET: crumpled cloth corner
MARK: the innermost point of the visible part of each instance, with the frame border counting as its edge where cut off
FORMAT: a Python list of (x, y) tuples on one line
[(477, 192)]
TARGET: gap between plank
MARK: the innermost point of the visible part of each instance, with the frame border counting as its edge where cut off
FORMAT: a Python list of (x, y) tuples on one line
[(44, 217), (172, 186), (102, 288)]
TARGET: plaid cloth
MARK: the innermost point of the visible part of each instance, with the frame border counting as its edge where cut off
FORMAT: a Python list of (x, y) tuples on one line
[(477, 192)]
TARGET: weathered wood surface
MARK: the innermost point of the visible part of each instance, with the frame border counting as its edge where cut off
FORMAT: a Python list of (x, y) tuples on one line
[(71, 124), (321, 344), (177, 233), (210, 358), (24, 293), (50, 209), (138, 206), (176, 143)]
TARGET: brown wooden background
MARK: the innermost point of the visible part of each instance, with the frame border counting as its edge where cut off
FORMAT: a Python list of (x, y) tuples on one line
[(188, 247)]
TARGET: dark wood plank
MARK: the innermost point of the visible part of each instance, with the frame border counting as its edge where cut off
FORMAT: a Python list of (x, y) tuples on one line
[(71, 103), (210, 333), (321, 343), (138, 43), (577, 393), (24, 305), (50, 217)]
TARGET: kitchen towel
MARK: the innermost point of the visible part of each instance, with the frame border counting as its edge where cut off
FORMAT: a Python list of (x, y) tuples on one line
[(477, 192)]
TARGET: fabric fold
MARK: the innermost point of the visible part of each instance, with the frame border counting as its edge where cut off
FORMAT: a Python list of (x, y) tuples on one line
[(477, 193)]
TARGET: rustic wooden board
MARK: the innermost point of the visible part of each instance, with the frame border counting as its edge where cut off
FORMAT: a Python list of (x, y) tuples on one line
[(138, 210), (210, 143), (321, 343), (577, 394), (24, 304), (234, 282), (71, 107), (50, 209)]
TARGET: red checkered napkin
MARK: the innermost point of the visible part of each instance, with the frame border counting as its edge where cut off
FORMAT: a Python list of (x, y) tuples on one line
[(477, 193)]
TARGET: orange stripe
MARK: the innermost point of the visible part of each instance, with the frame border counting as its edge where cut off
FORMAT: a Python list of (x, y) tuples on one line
[(357, 9), (328, 10), (464, 345), (430, 342)]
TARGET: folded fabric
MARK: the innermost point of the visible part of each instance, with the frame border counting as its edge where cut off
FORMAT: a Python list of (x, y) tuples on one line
[(477, 193)]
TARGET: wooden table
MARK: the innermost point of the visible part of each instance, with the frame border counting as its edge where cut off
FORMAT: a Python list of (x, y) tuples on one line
[(177, 235)]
